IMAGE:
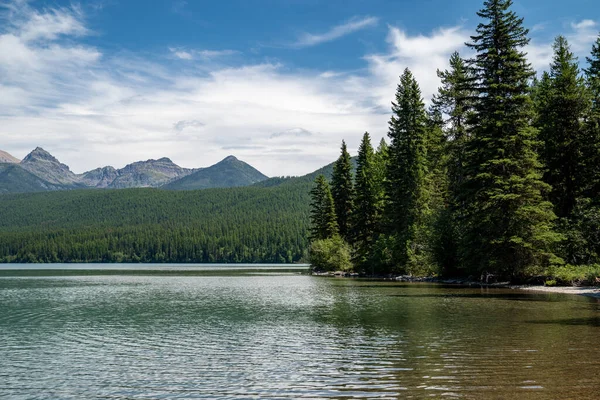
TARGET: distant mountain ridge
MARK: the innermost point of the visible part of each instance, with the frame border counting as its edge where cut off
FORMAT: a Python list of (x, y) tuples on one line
[(41, 171), (45, 166), (230, 172)]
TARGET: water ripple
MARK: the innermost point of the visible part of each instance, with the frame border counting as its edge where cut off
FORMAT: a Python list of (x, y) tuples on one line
[(136, 337)]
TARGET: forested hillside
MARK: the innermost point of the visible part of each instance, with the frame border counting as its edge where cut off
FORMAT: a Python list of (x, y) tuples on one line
[(151, 225)]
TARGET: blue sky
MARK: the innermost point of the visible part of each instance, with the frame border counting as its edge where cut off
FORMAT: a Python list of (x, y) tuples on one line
[(278, 83)]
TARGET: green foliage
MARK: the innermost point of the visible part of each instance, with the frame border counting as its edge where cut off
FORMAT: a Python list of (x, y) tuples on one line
[(230, 172), (582, 233), (562, 104), (366, 212), (591, 153), (508, 223), (332, 254), (16, 179), (322, 211), (575, 274), (407, 171), (455, 99), (151, 225), (342, 190)]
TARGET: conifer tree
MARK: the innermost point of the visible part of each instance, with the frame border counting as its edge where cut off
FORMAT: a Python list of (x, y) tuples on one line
[(591, 154), (343, 191), (455, 101), (380, 162), (508, 225), (322, 211), (593, 73), (407, 171), (364, 219), (562, 99)]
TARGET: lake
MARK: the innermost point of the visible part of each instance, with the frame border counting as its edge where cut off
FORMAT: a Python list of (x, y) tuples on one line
[(273, 333)]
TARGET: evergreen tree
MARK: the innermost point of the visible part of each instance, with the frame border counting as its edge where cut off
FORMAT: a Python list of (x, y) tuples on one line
[(593, 73), (591, 155), (365, 211), (562, 99), (509, 225), (407, 172), (322, 211), (380, 166), (454, 100), (343, 191)]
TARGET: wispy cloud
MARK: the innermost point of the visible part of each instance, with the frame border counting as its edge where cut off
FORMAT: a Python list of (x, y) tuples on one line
[(294, 132), (338, 31), (181, 125), (201, 54)]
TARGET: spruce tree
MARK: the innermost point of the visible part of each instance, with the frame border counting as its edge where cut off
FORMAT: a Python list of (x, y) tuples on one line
[(380, 161), (454, 100), (343, 191), (407, 171), (591, 154), (593, 73), (508, 225), (322, 211), (562, 102), (365, 214)]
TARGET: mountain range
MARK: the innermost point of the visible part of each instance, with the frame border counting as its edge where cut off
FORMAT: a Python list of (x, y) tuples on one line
[(40, 171)]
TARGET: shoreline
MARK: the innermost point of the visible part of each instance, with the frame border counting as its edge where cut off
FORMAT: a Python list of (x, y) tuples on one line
[(588, 291)]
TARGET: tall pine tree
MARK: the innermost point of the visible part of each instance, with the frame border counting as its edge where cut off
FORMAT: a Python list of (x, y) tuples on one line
[(407, 172), (591, 154), (454, 100), (364, 221), (509, 225), (562, 101), (322, 211), (343, 191)]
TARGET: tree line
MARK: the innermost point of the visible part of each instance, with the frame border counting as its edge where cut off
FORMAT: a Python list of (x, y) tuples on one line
[(249, 224), (500, 175)]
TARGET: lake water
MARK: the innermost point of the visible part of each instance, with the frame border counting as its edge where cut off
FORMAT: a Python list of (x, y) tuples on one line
[(271, 334)]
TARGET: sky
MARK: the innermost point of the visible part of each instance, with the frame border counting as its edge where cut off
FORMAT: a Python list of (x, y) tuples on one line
[(276, 83)]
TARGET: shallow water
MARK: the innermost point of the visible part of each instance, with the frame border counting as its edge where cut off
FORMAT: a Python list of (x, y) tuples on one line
[(290, 336)]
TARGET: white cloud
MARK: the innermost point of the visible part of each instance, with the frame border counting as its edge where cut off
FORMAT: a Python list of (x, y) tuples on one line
[(181, 125), (201, 54), (355, 24), (580, 36), (53, 23), (184, 55), (294, 132), (422, 54), (92, 109)]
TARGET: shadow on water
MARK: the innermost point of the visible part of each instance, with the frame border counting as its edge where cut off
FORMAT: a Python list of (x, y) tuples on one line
[(593, 321)]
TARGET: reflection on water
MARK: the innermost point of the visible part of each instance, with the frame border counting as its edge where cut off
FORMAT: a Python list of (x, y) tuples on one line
[(290, 336)]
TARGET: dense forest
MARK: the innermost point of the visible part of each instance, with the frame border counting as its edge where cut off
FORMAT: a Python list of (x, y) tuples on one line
[(249, 224), (498, 178)]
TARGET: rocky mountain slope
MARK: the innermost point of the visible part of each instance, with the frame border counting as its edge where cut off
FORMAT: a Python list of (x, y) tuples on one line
[(45, 166), (40, 171), (150, 173), (7, 158)]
